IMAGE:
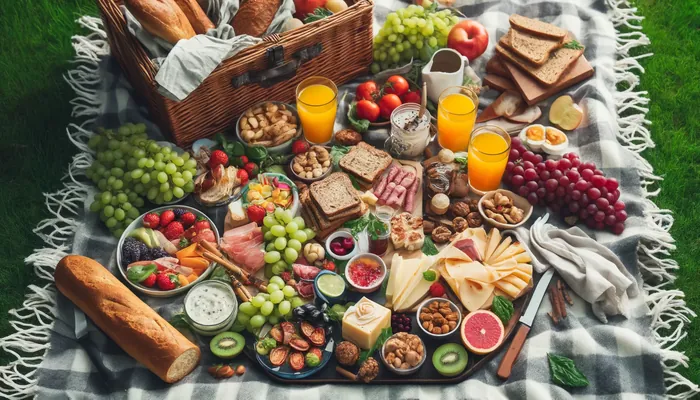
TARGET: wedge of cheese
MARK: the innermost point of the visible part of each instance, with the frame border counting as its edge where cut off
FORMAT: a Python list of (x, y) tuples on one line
[(404, 291), (512, 251), (493, 239), (396, 261), (407, 268), (416, 294), (500, 249)]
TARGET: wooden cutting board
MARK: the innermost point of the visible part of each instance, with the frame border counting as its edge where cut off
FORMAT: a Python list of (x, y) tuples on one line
[(533, 92)]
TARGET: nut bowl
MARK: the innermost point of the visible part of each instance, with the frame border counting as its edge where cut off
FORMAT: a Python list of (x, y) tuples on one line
[(400, 371), (453, 307), (283, 148), (305, 179), (518, 201)]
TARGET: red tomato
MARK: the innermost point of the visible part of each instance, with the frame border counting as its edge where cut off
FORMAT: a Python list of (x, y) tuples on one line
[(387, 104), (396, 85), (306, 7), (367, 91), (469, 38), (412, 96), (368, 110)]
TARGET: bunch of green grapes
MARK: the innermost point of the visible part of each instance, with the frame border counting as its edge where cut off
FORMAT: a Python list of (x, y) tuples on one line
[(129, 168), (284, 236), (412, 32), (277, 303)]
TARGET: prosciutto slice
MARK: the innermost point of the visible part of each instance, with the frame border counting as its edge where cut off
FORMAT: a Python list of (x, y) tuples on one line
[(244, 246), (468, 247), (305, 289), (306, 272)]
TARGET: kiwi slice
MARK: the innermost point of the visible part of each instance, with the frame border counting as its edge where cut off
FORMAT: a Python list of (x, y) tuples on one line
[(227, 344), (450, 359)]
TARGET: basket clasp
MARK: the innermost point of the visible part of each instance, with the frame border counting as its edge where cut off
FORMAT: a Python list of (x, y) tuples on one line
[(277, 70)]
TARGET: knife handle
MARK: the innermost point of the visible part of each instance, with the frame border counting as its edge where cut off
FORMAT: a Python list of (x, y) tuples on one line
[(513, 351)]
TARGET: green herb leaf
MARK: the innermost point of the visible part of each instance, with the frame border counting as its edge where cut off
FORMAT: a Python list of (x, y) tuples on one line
[(256, 153), (360, 125), (503, 308), (337, 152), (179, 321), (573, 45), (383, 337), (354, 182), (219, 274), (432, 7), (318, 14), (369, 222), (564, 372), (429, 248), (139, 273), (461, 160), (429, 275)]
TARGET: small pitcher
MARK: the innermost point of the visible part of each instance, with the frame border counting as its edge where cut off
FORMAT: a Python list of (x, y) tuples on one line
[(445, 69)]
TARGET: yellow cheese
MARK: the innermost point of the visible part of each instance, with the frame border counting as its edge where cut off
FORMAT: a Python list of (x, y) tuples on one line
[(363, 322), (499, 250), (473, 294), (416, 294), (403, 277), (523, 258), (396, 261), (508, 288), (425, 263), (478, 235), (492, 242), (369, 198), (512, 251)]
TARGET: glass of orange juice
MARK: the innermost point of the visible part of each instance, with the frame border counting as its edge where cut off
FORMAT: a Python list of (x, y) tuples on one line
[(317, 104), (489, 147), (456, 115)]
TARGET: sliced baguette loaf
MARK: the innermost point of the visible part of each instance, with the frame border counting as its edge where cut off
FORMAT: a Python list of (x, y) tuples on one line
[(530, 47), (548, 73), (536, 27)]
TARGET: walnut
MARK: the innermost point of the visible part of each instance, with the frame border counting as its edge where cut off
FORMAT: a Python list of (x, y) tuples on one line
[(348, 137), (441, 234), (473, 205), (460, 224), (515, 215), (428, 226), (369, 370), (460, 209), (474, 220)]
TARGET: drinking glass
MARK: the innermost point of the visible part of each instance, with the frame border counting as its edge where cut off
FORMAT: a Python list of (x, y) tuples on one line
[(317, 103), (457, 108), (489, 147)]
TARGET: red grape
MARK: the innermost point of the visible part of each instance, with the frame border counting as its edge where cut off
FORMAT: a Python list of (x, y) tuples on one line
[(575, 195), (573, 175), (529, 156), (551, 185), (593, 193), (532, 198), (599, 216), (619, 205), (598, 172), (550, 197), (618, 228), (602, 203), (510, 166), (621, 216), (518, 170), (616, 195), (574, 207), (515, 142), (540, 183), (528, 165), (583, 214), (514, 154), (598, 181), (538, 158), (587, 165), (544, 175), (551, 165), (600, 225), (530, 174), (564, 164), (575, 163), (556, 174), (568, 155), (587, 174), (540, 167), (523, 191), (567, 199), (584, 200), (517, 180), (611, 184), (563, 181), (609, 210), (532, 186), (582, 185), (541, 192), (610, 220), (590, 222), (561, 191), (592, 209)]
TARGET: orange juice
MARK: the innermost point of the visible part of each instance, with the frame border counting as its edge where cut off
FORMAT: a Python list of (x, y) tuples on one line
[(456, 115), (317, 105), (488, 156)]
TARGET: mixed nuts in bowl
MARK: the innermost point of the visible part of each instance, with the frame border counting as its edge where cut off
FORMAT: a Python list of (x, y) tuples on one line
[(403, 353), (438, 317), (504, 209)]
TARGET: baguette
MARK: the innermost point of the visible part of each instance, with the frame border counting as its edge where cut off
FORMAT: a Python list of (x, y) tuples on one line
[(197, 17), (254, 17), (161, 18), (122, 316)]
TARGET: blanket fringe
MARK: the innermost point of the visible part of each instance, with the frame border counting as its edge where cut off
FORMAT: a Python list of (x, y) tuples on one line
[(669, 312), (32, 322)]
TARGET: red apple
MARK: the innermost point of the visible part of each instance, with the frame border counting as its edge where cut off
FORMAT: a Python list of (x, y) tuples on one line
[(304, 7), (468, 38)]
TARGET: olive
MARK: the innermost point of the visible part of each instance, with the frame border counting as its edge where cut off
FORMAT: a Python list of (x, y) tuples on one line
[(309, 307), (324, 307), (315, 314), (299, 312)]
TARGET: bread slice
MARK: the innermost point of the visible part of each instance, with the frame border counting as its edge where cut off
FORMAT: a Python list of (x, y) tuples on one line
[(318, 223), (495, 67), (548, 73), (499, 83), (367, 163), (536, 27), (530, 47), (334, 194)]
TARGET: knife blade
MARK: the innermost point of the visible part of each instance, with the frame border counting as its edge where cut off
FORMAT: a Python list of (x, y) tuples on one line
[(525, 322)]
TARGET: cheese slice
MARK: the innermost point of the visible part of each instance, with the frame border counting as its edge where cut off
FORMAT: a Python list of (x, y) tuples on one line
[(515, 281), (473, 294), (500, 249), (478, 235), (415, 278), (512, 251), (523, 258), (404, 275), (396, 261), (416, 294), (492, 242), (508, 288), (471, 270)]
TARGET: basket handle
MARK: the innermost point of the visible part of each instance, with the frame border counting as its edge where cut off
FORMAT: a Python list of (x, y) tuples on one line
[(278, 70)]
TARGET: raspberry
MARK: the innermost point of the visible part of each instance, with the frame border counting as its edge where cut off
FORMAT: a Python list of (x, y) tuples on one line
[(437, 290)]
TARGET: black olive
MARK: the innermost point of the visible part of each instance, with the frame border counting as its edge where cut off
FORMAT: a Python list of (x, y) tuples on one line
[(309, 307), (325, 318), (324, 307), (299, 312), (315, 314)]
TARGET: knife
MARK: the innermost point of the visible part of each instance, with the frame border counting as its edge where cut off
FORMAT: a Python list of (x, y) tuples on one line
[(525, 321)]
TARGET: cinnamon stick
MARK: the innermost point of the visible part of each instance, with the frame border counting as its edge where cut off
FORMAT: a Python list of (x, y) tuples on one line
[(560, 299), (565, 293), (240, 290), (240, 273), (210, 247), (556, 310), (554, 319), (346, 373)]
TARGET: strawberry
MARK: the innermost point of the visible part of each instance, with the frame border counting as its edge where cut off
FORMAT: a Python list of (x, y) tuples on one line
[(150, 281), (256, 214), (167, 281), (166, 217), (437, 290), (201, 225), (252, 169), (217, 158), (190, 233), (174, 230), (329, 265), (151, 220), (300, 146), (242, 175), (188, 219), (244, 160)]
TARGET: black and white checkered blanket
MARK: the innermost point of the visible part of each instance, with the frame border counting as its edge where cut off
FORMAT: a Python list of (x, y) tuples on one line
[(622, 359)]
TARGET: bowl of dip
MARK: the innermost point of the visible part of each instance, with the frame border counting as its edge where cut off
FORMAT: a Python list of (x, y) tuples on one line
[(211, 307), (365, 272)]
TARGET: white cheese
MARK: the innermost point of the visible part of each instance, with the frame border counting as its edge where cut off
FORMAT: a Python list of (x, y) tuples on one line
[(426, 262), (492, 242), (499, 250)]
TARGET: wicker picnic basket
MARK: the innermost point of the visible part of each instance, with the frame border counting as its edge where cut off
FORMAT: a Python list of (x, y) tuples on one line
[(338, 47)]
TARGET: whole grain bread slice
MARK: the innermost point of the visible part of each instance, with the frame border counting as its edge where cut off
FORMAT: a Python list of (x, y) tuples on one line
[(334, 194), (495, 67), (532, 48), (365, 162), (320, 223), (537, 27), (548, 73)]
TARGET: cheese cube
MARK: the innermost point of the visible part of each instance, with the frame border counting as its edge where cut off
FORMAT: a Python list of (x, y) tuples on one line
[(363, 323)]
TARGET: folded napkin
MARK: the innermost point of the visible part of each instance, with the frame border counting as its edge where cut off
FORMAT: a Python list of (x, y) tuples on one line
[(183, 67), (590, 269)]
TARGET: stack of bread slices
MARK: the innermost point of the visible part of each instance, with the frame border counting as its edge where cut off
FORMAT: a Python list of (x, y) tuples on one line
[(536, 59)]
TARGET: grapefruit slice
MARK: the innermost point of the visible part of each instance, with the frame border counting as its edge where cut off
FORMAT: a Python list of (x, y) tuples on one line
[(482, 331)]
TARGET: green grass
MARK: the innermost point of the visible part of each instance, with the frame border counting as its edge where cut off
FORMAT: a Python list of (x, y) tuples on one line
[(35, 151)]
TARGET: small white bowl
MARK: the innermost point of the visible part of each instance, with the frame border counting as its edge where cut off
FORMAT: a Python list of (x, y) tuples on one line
[(518, 201), (376, 285), (453, 306), (284, 148), (341, 234), (399, 371)]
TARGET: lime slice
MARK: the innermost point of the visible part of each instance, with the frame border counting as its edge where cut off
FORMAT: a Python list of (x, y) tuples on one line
[(331, 285)]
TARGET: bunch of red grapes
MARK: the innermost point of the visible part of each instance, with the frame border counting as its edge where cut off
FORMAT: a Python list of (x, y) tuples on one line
[(575, 189)]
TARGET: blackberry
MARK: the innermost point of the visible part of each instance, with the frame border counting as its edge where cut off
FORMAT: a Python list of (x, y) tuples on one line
[(400, 323), (133, 250), (157, 252), (179, 212)]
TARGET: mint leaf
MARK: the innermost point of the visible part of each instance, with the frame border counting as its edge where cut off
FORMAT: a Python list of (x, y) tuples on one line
[(503, 308), (429, 248), (564, 372)]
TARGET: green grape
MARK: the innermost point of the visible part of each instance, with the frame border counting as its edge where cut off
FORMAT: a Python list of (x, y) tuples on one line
[(179, 182), (243, 318), (268, 236), (190, 164), (392, 37), (126, 206), (419, 44), (395, 58), (150, 162), (420, 23), (310, 234), (152, 193), (432, 42), (187, 175), (114, 202), (287, 216), (289, 292), (164, 187), (111, 222), (270, 247), (162, 177), (297, 302), (119, 214), (278, 230), (257, 321), (290, 255), (248, 308), (133, 213), (294, 244), (118, 184), (291, 227), (272, 257), (95, 206), (106, 197), (137, 173), (159, 166), (279, 212), (300, 236), (145, 178), (280, 243), (399, 28), (382, 56), (271, 287), (269, 221), (279, 267), (170, 168), (273, 319), (102, 184), (277, 281), (178, 192), (300, 222), (189, 187), (110, 180), (276, 297), (267, 308), (374, 68), (257, 301), (168, 196), (185, 156), (153, 147), (138, 202)]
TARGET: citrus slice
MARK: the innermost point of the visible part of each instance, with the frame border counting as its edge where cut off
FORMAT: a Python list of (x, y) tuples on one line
[(331, 285), (482, 331)]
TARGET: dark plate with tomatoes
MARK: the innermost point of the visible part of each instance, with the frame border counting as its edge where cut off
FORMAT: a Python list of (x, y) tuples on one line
[(375, 101)]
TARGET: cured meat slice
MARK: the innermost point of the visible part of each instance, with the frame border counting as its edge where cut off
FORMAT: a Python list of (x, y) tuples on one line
[(410, 202), (306, 272), (393, 170), (387, 192), (241, 229), (399, 176), (397, 196), (468, 247), (408, 180), (305, 289)]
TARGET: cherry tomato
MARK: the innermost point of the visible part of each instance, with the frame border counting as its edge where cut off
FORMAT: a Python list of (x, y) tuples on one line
[(387, 104), (412, 96), (396, 85), (368, 110), (367, 91)]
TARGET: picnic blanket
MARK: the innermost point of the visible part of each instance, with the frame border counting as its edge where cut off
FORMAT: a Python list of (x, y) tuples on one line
[(626, 358)]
